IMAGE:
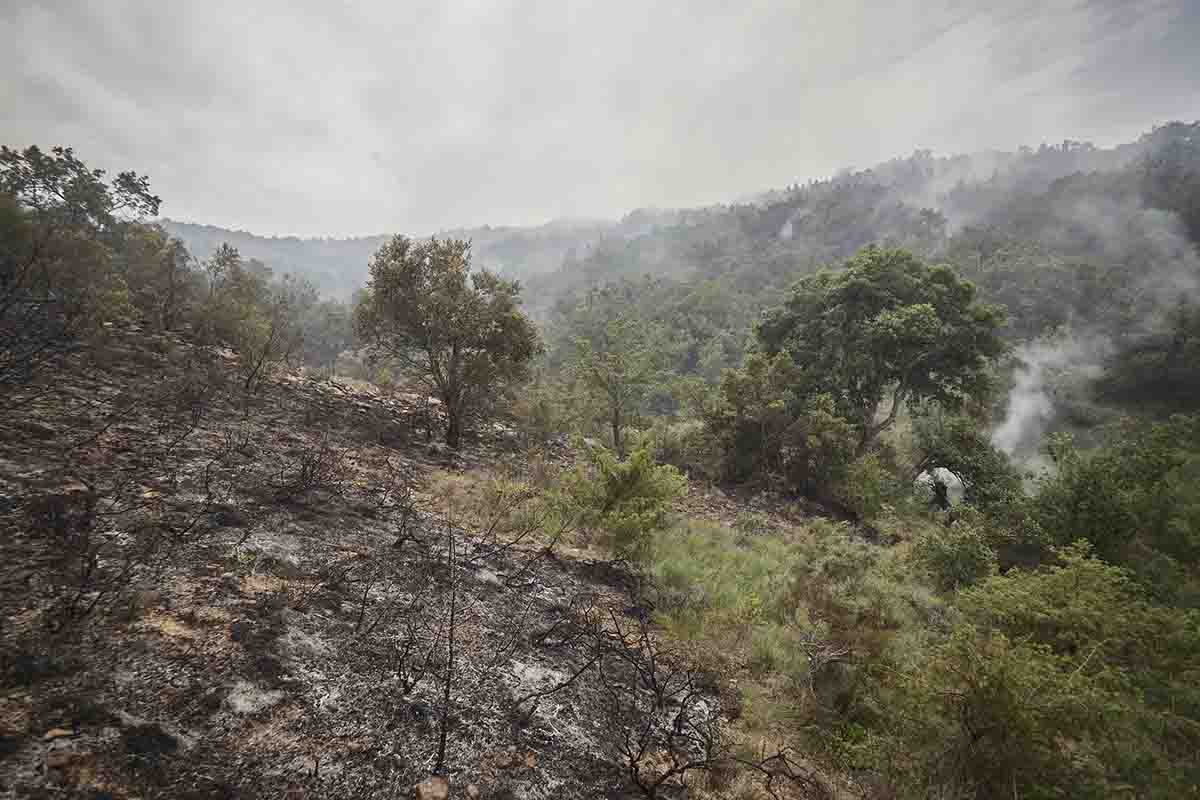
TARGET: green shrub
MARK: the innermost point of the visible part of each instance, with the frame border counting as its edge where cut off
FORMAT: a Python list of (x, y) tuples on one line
[(1134, 498), (1059, 682), (986, 716), (626, 501), (956, 555), (687, 445), (384, 379), (775, 649), (866, 486), (864, 592), (539, 412)]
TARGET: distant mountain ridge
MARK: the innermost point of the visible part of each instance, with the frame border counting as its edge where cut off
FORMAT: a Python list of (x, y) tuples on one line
[(339, 266), (914, 201)]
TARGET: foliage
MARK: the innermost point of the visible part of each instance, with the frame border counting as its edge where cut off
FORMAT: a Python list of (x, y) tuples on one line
[(260, 317), (1169, 173), (537, 414), (1063, 681), (618, 364), (750, 419), (1160, 370), (163, 285), (328, 331), (960, 445), (1079, 604), (864, 592), (695, 330), (461, 334), (687, 445), (957, 554), (867, 485), (1132, 499), (712, 576), (984, 716), (626, 501), (887, 328), (274, 334), (59, 221), (763, 429)]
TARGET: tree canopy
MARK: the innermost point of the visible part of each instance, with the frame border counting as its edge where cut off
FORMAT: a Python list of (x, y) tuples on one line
[(885, 330), (59, 222), (461, 334)]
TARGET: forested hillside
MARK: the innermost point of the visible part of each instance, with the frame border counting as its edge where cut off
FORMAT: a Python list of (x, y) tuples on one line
[(338, 266), (881, 486), (1090, 251)]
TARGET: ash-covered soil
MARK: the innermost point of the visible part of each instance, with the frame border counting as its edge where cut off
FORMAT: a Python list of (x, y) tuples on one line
[(209, 594)]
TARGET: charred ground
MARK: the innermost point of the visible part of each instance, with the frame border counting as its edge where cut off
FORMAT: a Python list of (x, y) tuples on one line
[(210, 593)]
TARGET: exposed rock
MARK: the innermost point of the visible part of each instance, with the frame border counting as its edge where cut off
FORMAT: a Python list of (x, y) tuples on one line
[(435, 788), (62, 759), (246, 698), (57, 733)]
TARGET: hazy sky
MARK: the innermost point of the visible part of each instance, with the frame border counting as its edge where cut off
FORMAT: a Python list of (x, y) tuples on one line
[(361, 116)]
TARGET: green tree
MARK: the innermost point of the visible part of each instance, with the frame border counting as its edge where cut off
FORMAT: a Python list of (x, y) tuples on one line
[(957, 554), (272, 331), (158, 271), (58, 281), (618, 364), (260, 316), (328, 331), (459, 333), (221, 266), (1134, 499), (751, 415), (1160, 370), (886, 330), (764, 429)]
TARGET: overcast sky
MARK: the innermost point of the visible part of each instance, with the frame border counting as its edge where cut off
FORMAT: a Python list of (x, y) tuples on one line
[(328, 117)]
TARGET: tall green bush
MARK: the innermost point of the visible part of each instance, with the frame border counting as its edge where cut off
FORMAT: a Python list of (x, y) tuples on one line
[(624, 500)]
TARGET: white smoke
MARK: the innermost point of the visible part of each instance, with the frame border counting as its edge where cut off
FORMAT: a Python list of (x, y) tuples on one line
[(1031, 406), (788, 229), (1165, 267)]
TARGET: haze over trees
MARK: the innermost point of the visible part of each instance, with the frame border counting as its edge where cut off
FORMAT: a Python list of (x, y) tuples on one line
[(747, 418)]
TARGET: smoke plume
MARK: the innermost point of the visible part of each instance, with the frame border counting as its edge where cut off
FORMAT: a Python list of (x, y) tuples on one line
[(1031, 406)]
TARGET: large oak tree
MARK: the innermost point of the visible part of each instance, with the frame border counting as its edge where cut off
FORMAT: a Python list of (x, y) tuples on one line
[(885, 330), (459, 333)]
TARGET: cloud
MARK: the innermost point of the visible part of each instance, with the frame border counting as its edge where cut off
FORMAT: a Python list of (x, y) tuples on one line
[(323, 117)]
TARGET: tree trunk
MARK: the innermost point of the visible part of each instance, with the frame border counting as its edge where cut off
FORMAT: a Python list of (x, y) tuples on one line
[(453, 427), (616, 433), (871, 429)]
